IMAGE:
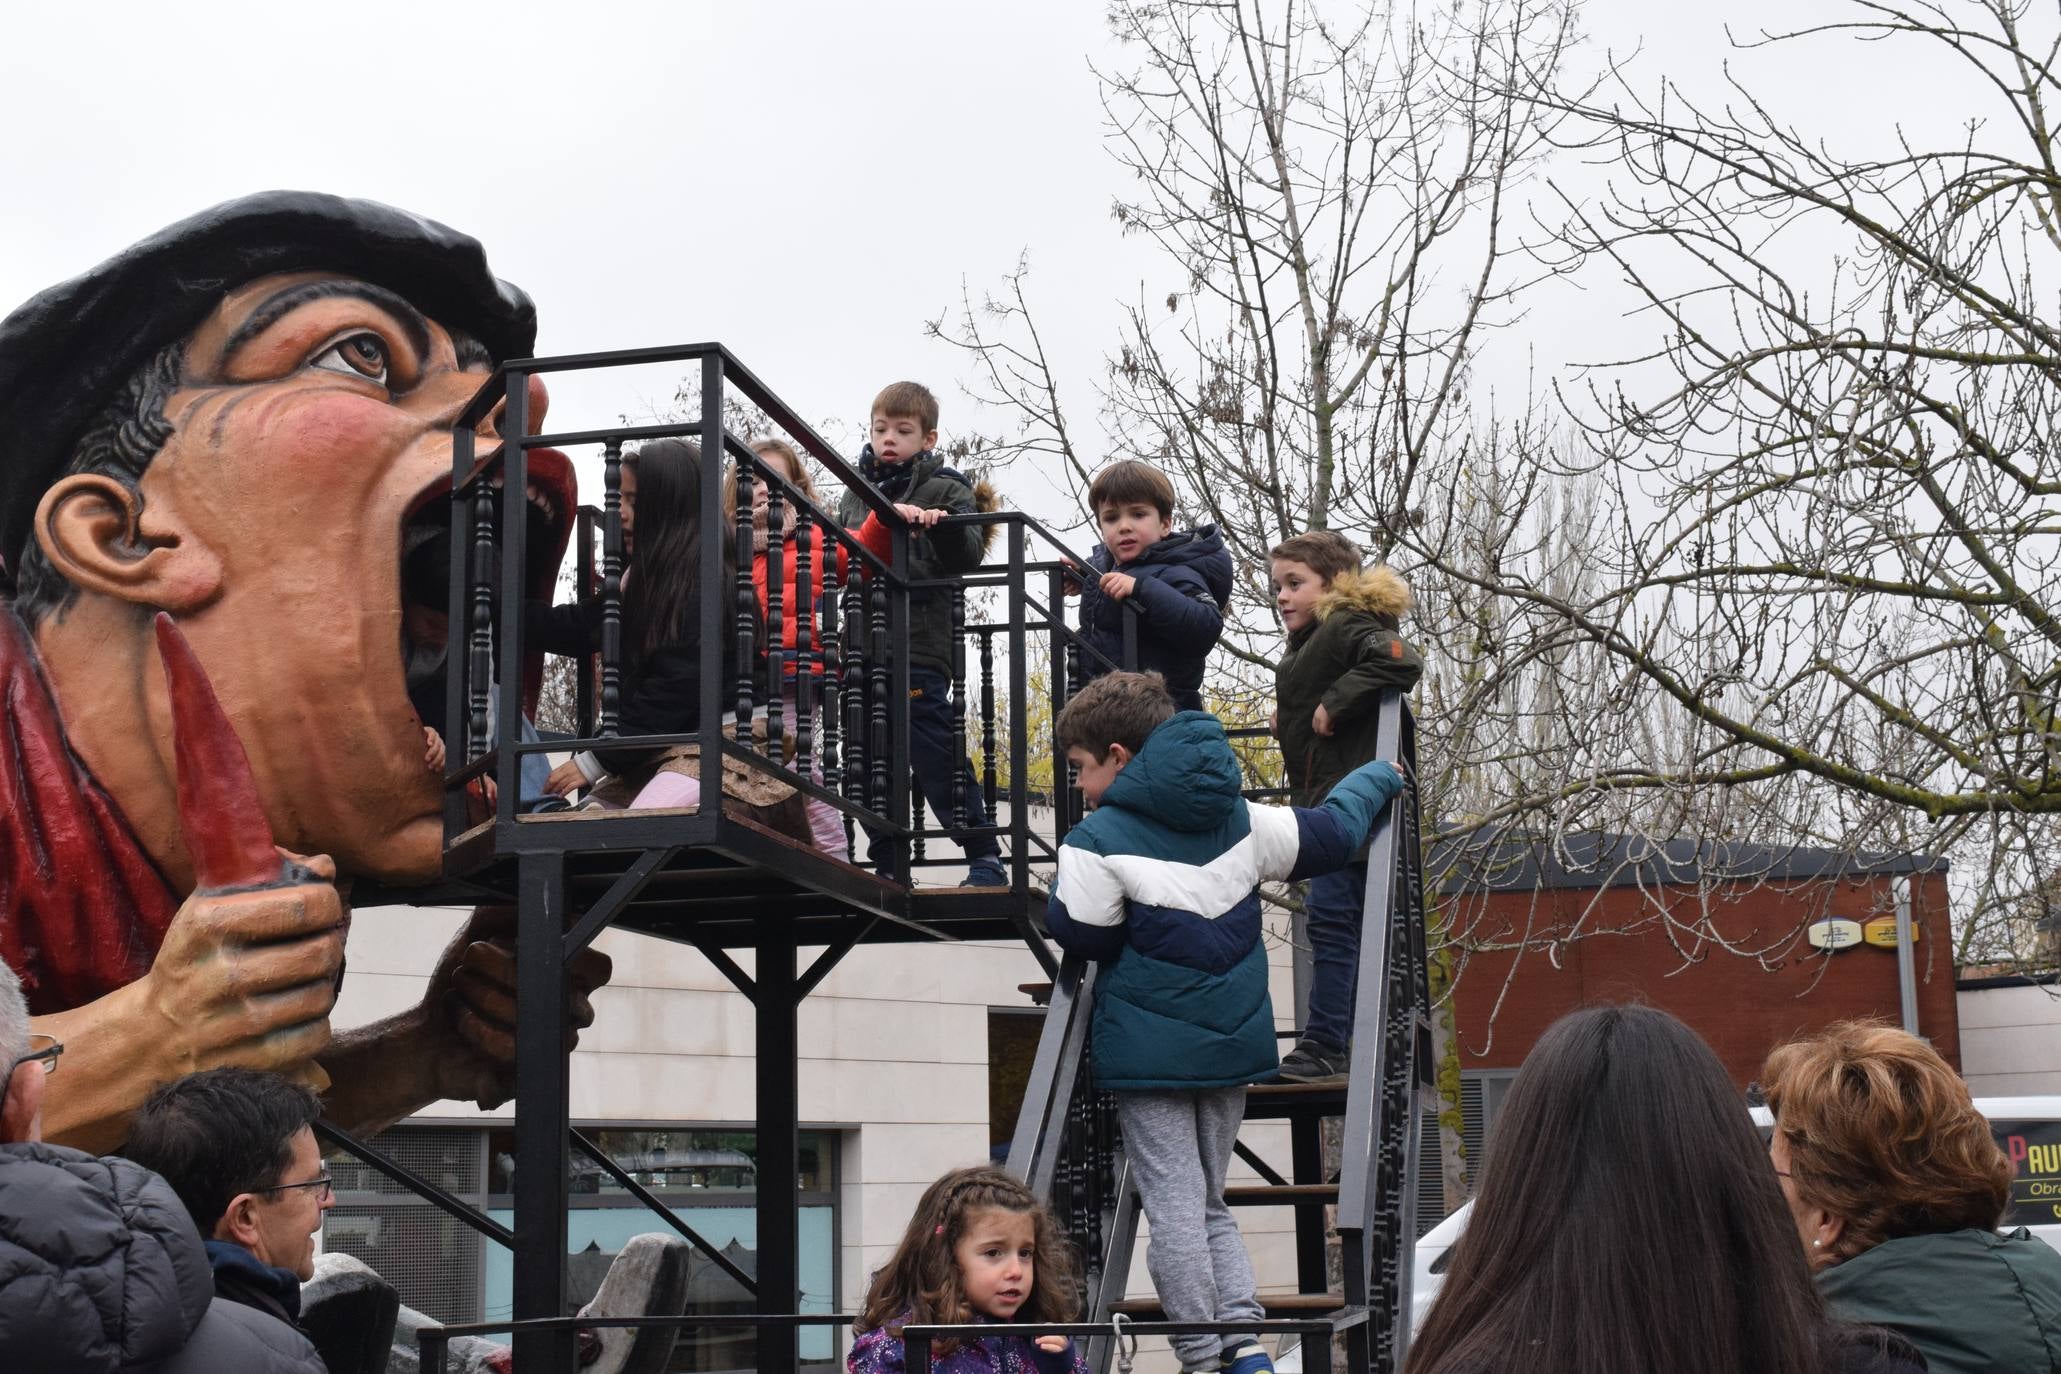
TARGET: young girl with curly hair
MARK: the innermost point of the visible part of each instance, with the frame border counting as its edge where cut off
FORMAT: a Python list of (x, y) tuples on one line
[(980, 1248)]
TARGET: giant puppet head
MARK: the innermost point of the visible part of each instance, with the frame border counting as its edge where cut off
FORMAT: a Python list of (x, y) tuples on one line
[(246, 421)]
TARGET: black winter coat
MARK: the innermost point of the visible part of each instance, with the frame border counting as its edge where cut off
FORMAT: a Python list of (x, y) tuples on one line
[(1184, 583), (663, 695), (101, 1272), (946, 552)]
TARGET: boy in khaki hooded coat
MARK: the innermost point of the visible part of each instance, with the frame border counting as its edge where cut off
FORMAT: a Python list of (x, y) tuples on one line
[(1344, 650)]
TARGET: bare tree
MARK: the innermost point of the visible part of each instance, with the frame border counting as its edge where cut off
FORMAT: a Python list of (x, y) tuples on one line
[(1830, 599)]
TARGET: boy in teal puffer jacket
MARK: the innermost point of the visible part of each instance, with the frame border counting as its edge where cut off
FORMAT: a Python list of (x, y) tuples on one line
[(1161, 885)]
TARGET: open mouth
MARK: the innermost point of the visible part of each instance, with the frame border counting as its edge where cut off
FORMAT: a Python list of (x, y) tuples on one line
[(551, 500)]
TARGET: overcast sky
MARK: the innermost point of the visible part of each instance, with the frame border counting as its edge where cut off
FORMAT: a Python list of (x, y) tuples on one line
[(806, 182)]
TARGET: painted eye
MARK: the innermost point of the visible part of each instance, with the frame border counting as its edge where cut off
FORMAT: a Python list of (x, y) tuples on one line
[(360, 355)]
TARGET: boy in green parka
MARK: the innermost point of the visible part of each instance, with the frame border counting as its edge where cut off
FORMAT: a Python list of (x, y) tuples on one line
[(1343, 651)]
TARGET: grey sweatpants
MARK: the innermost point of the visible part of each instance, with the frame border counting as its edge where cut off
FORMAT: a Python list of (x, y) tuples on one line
[(1179, 1144)]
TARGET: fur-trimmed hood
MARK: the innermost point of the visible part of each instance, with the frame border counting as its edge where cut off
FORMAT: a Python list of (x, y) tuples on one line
[(1380, 590), (986, 500)]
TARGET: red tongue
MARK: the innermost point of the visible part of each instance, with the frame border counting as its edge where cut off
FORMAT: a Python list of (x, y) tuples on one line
[(227, 835)]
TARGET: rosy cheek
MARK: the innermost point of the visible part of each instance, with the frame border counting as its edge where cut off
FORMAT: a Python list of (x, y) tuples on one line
[(331, 442)]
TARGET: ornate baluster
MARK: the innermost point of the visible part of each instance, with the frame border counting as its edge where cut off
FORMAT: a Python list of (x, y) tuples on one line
[(611, 588), (961, 770), (834, 574), (805, 657), (480, 671), (988, 782), (747, 599), (776, 639), (877, 694), (858, 741), (915, 820)]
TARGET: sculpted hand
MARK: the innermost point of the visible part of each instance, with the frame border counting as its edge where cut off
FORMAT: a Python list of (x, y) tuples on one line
[(248, 979), (249, 966), (471, 1008), (1116, 586), (1321, 721)]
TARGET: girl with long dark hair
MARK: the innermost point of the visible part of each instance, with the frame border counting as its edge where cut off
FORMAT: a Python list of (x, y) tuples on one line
[(1628, 1222), (663, 656)]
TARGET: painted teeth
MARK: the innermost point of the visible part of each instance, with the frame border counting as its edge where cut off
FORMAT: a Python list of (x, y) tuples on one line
[(531, 490)]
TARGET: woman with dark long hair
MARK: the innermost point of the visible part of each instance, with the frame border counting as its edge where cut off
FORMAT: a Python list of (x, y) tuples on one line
[(663, 657), (1627, 1222)]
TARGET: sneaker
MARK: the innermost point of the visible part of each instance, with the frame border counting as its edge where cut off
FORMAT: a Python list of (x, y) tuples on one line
[(986, 872), (1313, 1061), (1247, 1358)]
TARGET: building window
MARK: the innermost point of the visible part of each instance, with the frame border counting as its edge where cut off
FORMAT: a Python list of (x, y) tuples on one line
[(707, 1175)]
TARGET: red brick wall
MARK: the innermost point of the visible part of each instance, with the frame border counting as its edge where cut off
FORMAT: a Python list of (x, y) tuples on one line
[(1742, 1005)]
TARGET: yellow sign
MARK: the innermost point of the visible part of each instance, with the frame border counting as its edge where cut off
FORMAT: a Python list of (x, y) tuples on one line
[(1882, 931)]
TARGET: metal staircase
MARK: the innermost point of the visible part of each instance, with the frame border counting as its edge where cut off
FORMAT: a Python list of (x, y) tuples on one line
[(1068, 1148)]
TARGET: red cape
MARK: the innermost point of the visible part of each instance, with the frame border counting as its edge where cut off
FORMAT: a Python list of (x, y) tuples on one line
[(82, 907)]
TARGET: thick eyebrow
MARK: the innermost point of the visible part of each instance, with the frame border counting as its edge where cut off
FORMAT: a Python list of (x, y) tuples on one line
[(284, 302)]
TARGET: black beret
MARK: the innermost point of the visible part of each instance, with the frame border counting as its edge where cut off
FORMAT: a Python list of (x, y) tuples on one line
[(67, 351)]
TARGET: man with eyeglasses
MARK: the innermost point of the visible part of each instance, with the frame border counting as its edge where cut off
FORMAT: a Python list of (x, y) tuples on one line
[(239, 1147), (100, 1266)]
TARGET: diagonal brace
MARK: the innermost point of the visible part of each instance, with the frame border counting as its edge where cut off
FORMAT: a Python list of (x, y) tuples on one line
[(728, 967), (665, 1213), (414, 1183), (828, 959), (619, 895)]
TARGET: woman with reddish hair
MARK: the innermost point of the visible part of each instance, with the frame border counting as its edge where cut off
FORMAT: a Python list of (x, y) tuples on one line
[(1897, 1187)]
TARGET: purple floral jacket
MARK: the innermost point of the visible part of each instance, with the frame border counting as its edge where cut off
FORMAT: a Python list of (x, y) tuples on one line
[(879, 1351)]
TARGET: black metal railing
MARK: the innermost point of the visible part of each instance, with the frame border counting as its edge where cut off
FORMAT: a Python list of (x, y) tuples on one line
[(810, 687), (827, 715), (1392, 1069), (433, 1342)]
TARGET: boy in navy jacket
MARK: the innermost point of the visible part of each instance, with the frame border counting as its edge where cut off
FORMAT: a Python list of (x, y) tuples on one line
[(1161, 884), (1180, 581)]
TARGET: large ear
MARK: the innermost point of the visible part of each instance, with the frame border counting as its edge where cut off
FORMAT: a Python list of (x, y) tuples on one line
[(93, 530), (239, 1222)]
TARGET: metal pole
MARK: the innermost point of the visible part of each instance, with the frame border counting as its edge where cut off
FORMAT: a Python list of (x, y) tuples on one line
[(542, 1089), (779, 1163), (1906, 964)]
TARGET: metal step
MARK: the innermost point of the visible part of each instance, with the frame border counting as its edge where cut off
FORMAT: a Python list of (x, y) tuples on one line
[(1276, 1304), (1279, 1194), (1272, 1101)]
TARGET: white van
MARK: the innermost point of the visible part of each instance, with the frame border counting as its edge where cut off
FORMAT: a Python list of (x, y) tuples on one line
[(2028, 1130)]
